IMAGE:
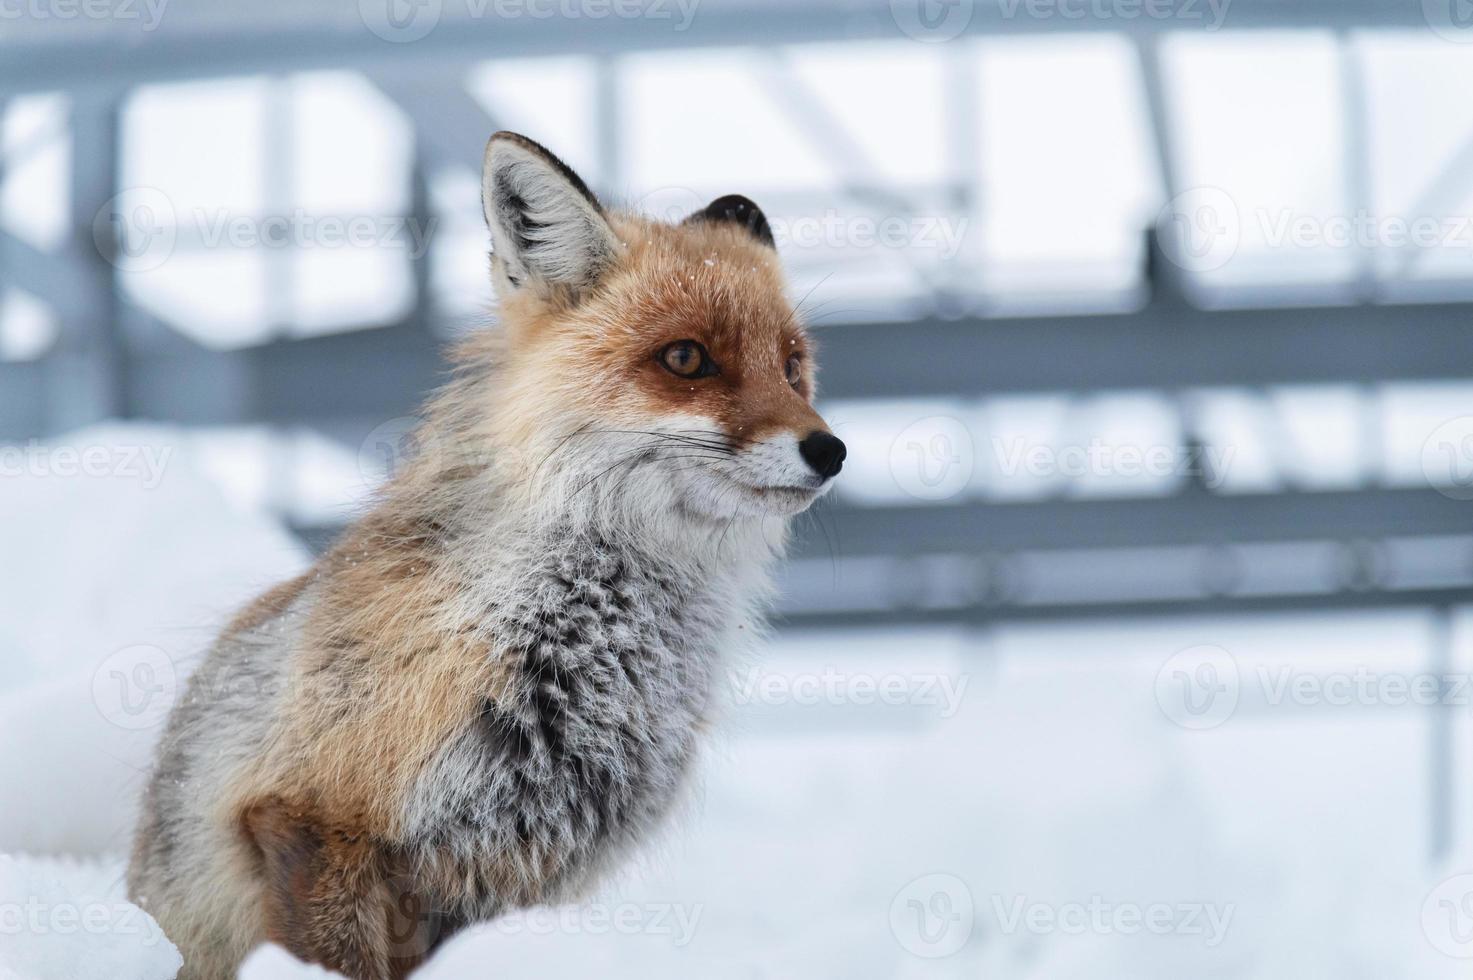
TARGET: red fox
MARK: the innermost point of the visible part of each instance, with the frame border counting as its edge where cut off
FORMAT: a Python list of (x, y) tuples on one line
[(497, 681)]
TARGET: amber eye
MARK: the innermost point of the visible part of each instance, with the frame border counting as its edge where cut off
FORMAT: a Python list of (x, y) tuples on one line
[(794, 370), (688, 359)]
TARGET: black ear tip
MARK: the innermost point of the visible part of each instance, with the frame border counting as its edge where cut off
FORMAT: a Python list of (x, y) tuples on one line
[(503, 136), (742, 210)]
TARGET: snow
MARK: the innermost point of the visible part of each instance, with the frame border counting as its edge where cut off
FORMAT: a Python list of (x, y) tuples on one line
[(68, 918), (134, 558), (1019, 808), (271, 962)]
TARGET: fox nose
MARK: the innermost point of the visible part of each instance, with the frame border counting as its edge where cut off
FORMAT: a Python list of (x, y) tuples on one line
[(824, 452)]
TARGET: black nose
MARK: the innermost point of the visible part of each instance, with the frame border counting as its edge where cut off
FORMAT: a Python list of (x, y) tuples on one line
[(824, 452)]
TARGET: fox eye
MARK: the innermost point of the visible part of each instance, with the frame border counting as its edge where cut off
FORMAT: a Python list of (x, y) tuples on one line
[(688, 359), (794, 370)]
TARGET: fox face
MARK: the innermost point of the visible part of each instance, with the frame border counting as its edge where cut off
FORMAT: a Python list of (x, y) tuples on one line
[(661, 364)]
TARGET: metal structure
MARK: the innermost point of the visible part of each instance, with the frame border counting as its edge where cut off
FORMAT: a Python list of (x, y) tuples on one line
[(1369, 546)]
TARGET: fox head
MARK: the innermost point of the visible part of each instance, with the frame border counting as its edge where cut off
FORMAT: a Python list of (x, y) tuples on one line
[(659, 361)]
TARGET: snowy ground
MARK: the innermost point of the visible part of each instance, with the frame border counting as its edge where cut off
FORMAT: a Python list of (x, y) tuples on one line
[(1013, 804)]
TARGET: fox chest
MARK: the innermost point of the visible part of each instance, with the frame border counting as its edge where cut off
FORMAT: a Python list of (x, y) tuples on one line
[(609, 665)]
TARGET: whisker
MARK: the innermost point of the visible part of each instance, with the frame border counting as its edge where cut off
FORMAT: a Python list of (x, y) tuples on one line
[(645, 454), (561, 443)]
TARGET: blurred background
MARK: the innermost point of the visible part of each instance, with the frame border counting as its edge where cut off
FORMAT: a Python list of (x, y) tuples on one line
[(1135, 639)]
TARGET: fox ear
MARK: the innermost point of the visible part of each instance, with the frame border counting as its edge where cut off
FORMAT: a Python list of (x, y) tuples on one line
[(741, 211), (547, 228)]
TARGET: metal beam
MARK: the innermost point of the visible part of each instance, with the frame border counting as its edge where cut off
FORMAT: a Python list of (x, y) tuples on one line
[(47, 276), (380, 373), (267, 36), (983, 615), (87, 370), (1167, 346), (1195, 518)]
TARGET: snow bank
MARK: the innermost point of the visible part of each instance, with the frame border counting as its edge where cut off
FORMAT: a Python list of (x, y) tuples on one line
[(122, 559), (69, 919)]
